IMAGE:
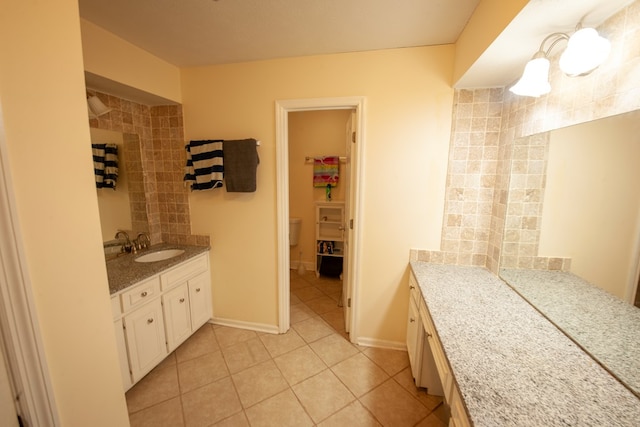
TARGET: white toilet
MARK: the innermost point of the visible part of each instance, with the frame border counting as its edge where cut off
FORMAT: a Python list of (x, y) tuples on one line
[(294, 230)]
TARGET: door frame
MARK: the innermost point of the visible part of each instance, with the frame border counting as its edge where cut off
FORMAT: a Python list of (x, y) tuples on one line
[(19, 326), (283, 108)]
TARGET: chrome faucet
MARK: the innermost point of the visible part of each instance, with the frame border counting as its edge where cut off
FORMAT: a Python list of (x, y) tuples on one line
[(127, 246), (142, 241)]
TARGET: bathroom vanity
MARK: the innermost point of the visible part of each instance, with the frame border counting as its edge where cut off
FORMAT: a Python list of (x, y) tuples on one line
[(501, 363), (157, 305)]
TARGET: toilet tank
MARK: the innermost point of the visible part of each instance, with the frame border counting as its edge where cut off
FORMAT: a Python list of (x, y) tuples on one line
[(294, 230)]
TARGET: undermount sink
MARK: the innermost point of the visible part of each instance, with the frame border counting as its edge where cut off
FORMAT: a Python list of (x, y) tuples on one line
[(160, 255)]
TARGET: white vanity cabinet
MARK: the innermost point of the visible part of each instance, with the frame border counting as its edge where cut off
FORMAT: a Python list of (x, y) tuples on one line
[(156, 315), (421, 359), (429, 364)]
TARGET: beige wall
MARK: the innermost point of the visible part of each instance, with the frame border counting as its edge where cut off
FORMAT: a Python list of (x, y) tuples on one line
[(489, 19), (115, 212), (45, 115), (408, 121), (312, 134), (116, 59), (591, 200)]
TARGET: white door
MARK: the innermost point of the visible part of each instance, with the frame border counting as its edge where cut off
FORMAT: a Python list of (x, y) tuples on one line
[(348, 216)]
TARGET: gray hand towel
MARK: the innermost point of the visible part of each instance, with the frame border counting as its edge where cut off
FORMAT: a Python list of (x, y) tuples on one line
[(240, 164)]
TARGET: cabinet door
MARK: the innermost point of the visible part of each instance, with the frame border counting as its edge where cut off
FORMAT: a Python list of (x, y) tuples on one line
[(144, 329), (200, 299), (177, 316), (414, 339), (122, 355)]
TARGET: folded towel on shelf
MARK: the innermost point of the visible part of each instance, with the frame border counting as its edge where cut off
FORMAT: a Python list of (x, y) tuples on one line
[(205, 167), (105, 165), (326, 171), (240, 164)]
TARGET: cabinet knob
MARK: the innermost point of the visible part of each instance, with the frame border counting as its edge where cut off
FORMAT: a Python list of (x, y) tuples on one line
[(197, 289), (144, 294), (411, 319), (181, 300), (150, 320), (428, 334), (411, 287)]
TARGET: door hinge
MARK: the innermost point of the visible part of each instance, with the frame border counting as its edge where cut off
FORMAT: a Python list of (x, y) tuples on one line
[(351, 224), (353, 136), (349, 302)]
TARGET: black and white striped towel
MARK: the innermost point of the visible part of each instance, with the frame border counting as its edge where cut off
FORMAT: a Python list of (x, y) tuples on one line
[(204, 169), (105, 165)]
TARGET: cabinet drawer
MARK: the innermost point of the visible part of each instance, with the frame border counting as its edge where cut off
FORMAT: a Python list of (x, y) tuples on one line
[(140, 294), (414, 289), (184, 272), (458, 412)]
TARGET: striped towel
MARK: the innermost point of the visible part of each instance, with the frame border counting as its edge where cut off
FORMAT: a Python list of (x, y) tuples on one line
[(326, 171), (105, 165), (204, 169)]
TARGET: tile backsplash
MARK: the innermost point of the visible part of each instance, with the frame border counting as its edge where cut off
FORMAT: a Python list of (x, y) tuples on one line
[(498, 140), (158, 198)]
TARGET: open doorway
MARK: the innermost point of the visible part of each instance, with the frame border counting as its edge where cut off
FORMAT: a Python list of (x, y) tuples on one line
[(319, 178), (350, 223)]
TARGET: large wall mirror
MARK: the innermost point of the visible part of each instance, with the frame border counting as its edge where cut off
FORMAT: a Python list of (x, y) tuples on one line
[(115, 206), (572, 236)]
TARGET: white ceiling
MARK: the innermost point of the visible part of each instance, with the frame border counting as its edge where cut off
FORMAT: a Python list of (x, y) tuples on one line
[(190, 33)]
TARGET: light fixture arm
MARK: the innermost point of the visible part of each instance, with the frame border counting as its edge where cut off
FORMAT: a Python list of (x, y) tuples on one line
[(558, 38)]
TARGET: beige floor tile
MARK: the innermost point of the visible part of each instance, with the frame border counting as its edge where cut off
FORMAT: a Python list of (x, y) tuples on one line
[(278, 344), (245, 355), (157, 386), (170, 360), (211, 403), (281, 410), (230, 336), (312, 329), (322, 304), (300, 312), (434, 420), (322, 395), (237, 420), (203, 341), (354, 415), (165, 414), (259, 383), (299, 364), (205, 369), (293, 300), (333, 349), (392, 405), (405, 379), (307, 293), (335, 318), (392, 361), (359, 374)]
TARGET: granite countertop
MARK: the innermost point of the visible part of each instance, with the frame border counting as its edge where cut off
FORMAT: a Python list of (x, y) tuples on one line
[(511, 365), (605, 326), (123, 271)]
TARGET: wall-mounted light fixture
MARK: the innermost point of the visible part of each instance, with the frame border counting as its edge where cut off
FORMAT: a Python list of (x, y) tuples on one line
[(585, 51), (96, 107)]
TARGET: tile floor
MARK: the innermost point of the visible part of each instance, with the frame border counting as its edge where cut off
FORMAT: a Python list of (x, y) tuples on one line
[(312, 375)]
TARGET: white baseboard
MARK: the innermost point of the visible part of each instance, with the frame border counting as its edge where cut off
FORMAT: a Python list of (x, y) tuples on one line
[(374, 342), (257, 327)]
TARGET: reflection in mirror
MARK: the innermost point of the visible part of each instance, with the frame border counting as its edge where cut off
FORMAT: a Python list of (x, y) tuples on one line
[(572, 236), (115, 206)]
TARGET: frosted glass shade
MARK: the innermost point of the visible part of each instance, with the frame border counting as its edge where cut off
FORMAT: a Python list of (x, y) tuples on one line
[(96, 106), (585, 51), (535, 79)]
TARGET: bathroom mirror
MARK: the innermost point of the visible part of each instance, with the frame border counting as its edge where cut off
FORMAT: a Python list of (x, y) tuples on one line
[(115, 205), (574, 204)]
